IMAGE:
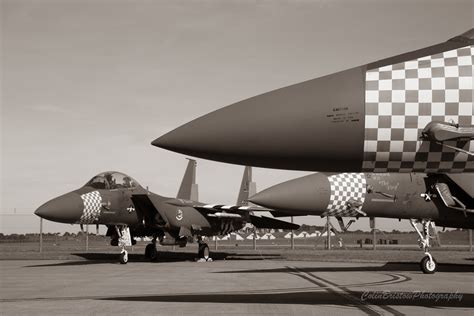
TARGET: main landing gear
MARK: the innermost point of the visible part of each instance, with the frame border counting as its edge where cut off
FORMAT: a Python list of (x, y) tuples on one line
[(428, 264), (124, 240), (150, 250), (203, 251)]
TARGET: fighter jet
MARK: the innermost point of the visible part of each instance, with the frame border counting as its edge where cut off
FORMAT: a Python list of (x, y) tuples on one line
[(426, 199), (129, 210), (408, 113)]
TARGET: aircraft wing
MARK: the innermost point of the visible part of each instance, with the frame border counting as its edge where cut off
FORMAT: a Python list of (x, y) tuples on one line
[(268, 222), (465, 181), (235, 211), (221, 207), (146, 207)]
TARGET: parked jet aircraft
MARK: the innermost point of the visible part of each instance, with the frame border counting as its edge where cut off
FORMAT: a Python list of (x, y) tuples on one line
[(445, 200), (408, 113), (128, 210)]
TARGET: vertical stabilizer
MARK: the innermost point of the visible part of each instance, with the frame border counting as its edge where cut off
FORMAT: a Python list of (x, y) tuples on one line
[(189, 189), (247, 187)]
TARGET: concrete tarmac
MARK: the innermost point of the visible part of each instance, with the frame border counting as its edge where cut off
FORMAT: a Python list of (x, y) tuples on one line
[(239, 287)]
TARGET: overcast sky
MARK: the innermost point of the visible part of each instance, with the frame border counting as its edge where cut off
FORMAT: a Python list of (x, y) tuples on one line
[(87, 85)]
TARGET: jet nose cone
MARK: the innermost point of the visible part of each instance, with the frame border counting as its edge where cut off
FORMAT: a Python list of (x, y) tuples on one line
[(186, 139), (66, 208), (157, 142), (161, 141), (316, 125), (308, 195)]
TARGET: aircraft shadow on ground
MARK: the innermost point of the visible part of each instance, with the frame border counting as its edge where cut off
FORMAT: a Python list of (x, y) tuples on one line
[(389, 266), (110, 258), (304, 298)]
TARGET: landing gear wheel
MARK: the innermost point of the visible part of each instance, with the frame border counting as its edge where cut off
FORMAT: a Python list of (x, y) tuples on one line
[(153, 253), (148, 249), (428, 266), (124, 257), (203, 251)]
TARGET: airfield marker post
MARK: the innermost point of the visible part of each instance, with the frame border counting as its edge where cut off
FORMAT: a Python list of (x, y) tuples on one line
[(374, 240), (292, 236), (254, 239), (41, 236), (328, 233), (87, 237), (470, 240)]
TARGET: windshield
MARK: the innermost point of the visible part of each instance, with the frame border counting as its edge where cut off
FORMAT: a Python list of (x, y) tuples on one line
[(112, 180)]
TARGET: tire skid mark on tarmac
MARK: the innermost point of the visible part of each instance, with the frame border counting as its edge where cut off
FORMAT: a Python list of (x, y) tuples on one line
[(344, 288), (344, 292), (395, 279)]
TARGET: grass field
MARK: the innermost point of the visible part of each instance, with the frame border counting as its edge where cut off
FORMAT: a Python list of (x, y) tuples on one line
[(278, 249)]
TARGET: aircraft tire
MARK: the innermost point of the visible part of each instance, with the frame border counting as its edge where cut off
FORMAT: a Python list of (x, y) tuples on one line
[(153, 253), (203, 251), (148, 250), (427, 267), (124, 257)]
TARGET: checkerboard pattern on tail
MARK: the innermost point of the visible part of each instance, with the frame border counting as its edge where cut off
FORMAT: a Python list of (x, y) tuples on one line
[(92, 207), (401, 99), (346, 187)]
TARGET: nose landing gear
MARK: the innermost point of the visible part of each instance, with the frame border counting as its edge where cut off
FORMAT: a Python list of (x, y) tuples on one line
[(124, 240), (428, 264)]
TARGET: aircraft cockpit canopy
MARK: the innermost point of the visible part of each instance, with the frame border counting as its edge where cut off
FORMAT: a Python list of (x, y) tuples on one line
[(112, 180)]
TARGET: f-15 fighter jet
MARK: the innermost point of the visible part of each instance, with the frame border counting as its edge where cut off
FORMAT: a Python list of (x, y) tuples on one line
[(128, 210), (426, 199), (408, 113)]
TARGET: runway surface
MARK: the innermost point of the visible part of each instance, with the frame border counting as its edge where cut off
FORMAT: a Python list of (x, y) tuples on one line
[(237, 287)]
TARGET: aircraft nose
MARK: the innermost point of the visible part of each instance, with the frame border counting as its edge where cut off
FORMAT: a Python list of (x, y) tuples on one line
[(308, 194), (66, 208), (316, 125)]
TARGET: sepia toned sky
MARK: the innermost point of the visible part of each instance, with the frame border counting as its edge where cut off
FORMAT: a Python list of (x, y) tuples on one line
[(87, 85)]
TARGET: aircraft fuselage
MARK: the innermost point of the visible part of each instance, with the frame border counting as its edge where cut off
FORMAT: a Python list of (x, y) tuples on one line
[(390, 195)]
